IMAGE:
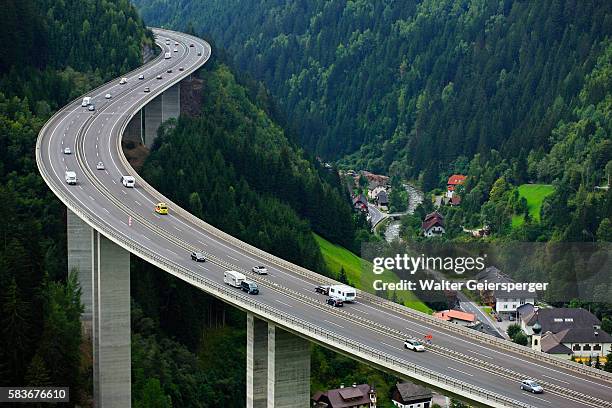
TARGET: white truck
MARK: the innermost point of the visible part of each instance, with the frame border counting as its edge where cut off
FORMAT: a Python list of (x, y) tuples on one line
[(167, 55), (70, 177), (86, 101), (233, 278), (342, 292)]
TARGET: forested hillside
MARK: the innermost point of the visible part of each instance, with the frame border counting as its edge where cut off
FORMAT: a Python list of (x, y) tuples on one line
[(410, 86), (47, 58), (233, 166)]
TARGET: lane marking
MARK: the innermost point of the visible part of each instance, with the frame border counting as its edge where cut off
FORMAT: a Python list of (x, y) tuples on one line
[(541, 399), (335, 324), (388, 345), (138, 203), (553, 378), (459, 371), (283, 303)]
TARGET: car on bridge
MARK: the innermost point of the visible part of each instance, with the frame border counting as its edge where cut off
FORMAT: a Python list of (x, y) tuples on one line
[(123, 81), (147, 89), (259, 269), (128, 181), (322, 289), (100, 166), (176, 50), (108, 96), (191, 45), (67, 150), (413, 345), (249, 287), (159, 77), (531, 386), (161, 208), (91, 108), (335, 302), (169, 70), (198, 256)]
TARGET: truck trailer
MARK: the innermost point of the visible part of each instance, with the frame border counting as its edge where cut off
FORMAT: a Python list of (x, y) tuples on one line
[(233, 278)]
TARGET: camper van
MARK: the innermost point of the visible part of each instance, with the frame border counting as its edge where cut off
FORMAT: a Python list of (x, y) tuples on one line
[(70, 177), (167, 55), (86, 101), (342, 292), (233, 278), (127, 181)]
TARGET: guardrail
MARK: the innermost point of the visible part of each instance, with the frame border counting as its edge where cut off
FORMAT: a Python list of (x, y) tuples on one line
[(267, 312)]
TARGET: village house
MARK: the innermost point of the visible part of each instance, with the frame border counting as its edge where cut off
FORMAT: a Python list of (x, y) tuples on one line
[(375, 191), (360, 202), (382, 200), (454, 181), (433, 225), (567, 332), (456, 316), (408, 395), (357, 396), (505, 303)]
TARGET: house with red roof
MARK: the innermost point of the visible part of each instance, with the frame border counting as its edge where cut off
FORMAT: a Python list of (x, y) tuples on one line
[(456, 316), (433, 225), (452, 183)]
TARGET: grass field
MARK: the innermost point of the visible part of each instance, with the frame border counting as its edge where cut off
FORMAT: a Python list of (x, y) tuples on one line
[(337, 257), (535, 195)]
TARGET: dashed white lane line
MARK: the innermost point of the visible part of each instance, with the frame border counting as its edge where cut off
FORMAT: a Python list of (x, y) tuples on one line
[(480, 354), (556, 379), (538, 398), (178, 229), (173, 252), (138, 203), (203, 243), (114, 181), (335, 324), (459, 371), (91, 198), (283, 303), (203, 267), (123, 191), (388, 345), (106, 210), (235, 259)]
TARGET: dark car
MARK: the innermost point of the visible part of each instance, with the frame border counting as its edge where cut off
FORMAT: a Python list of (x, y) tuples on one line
[(250, 287), (335, 302), (322, 289), (198, 257)]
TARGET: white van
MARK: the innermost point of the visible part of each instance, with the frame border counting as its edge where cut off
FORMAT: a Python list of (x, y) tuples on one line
[(167, 55), (233, 278), (128, 181), (123, 81), (86, 101), (70, 177), (342, 292)]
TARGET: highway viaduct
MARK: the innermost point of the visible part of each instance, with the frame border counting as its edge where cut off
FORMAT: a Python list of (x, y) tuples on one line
[(107, 222)]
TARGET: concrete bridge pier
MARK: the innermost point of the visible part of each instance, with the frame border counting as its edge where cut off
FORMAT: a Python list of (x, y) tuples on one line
[(104, 274), (278, 367), (163, 107)]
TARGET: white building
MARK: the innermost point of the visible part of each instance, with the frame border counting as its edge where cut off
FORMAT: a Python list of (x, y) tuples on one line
[(408, 395)]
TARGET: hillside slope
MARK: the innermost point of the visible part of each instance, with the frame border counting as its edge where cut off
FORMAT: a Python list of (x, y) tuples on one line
[(409, 86)]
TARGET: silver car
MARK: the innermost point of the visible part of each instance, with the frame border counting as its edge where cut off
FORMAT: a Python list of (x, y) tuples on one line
[(67, 150), (100, 166), (261, 270), (531, 386)]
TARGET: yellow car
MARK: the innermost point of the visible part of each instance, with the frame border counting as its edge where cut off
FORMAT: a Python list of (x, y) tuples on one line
[(161, 208)]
